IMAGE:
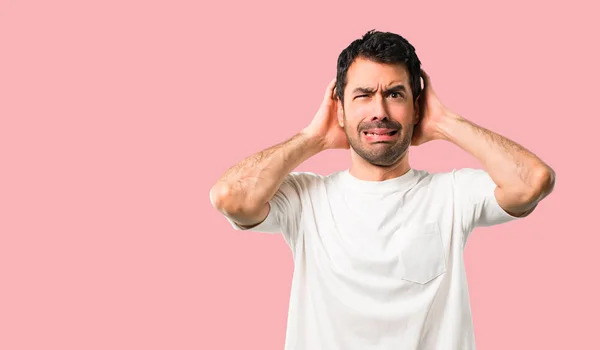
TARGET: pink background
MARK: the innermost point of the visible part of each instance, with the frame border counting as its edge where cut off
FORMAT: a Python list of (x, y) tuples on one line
[(118, 116)]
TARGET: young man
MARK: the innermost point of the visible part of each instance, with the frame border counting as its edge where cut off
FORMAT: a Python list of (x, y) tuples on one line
[(378, 248)]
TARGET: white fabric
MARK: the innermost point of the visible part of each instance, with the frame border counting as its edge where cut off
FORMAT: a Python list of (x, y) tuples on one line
[(379, 265)]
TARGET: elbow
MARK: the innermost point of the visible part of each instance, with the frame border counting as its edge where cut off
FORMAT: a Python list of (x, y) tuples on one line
[(520, 201), (542, 185), (223, 199), (217, 197), (228, 201)]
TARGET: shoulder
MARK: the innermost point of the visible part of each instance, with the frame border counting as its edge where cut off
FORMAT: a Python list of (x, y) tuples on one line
[(455, 175), (457, 178), (308, 181), (303, 181), (471, 178), (434, 178), (304, 178)]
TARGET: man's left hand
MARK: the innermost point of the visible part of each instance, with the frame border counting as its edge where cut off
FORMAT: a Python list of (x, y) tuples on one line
[(431, 114)]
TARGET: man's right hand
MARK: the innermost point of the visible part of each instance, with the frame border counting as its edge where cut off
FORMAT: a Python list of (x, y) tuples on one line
[(324, 126)]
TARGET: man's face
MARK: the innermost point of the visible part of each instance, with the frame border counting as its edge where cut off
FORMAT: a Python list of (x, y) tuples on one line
[(379, 114)]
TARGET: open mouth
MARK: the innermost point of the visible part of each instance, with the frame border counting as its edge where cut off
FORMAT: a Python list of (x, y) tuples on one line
[(391, 133)]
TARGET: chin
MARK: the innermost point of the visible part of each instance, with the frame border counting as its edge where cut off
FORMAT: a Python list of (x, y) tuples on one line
[(384, 164)]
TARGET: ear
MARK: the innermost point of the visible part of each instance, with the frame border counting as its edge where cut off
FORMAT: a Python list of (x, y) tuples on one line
[(340, 113)]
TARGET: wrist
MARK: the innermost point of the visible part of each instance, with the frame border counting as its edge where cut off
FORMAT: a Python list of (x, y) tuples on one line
[(313, 141), (446, 128)]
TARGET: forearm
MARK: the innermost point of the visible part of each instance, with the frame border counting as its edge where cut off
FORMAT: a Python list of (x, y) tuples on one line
[(515, 170), (252, 182)]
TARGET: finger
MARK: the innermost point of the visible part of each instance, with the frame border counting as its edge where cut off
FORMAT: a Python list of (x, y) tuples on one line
[(329, 93), (426, 80)]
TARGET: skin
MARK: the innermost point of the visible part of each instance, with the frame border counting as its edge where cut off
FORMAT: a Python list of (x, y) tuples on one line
[(522, 179), (387, 102)]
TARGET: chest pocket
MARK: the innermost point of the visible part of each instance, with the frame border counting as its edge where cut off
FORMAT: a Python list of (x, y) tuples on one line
[(422, 253)]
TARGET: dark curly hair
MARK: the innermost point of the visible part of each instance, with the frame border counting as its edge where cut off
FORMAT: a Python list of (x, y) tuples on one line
[(381, 47)]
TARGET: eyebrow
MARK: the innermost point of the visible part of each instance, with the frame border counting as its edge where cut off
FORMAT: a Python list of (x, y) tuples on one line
[(368, 90)]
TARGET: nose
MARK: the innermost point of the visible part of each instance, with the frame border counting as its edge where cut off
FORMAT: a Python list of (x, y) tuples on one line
[(379, 110)]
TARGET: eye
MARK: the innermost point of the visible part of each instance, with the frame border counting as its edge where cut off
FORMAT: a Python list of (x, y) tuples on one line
[(359, 96), (396, 95)]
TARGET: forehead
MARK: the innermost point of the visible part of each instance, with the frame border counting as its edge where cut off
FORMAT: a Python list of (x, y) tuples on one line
[(366, 73)]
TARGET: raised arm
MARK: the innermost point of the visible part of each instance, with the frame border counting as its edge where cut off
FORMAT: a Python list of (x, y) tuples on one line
[(522, 179), (243, 192)]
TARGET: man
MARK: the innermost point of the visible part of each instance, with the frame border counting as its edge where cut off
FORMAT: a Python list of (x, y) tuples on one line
[(378, 248)]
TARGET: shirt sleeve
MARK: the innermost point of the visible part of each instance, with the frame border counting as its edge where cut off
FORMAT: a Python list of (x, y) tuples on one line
[(285, 210), (475, 200)]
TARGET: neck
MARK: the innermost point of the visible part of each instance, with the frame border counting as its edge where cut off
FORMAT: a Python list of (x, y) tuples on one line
[(363, 170)]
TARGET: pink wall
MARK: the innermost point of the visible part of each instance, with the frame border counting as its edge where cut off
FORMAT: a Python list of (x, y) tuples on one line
[(117, 117)]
